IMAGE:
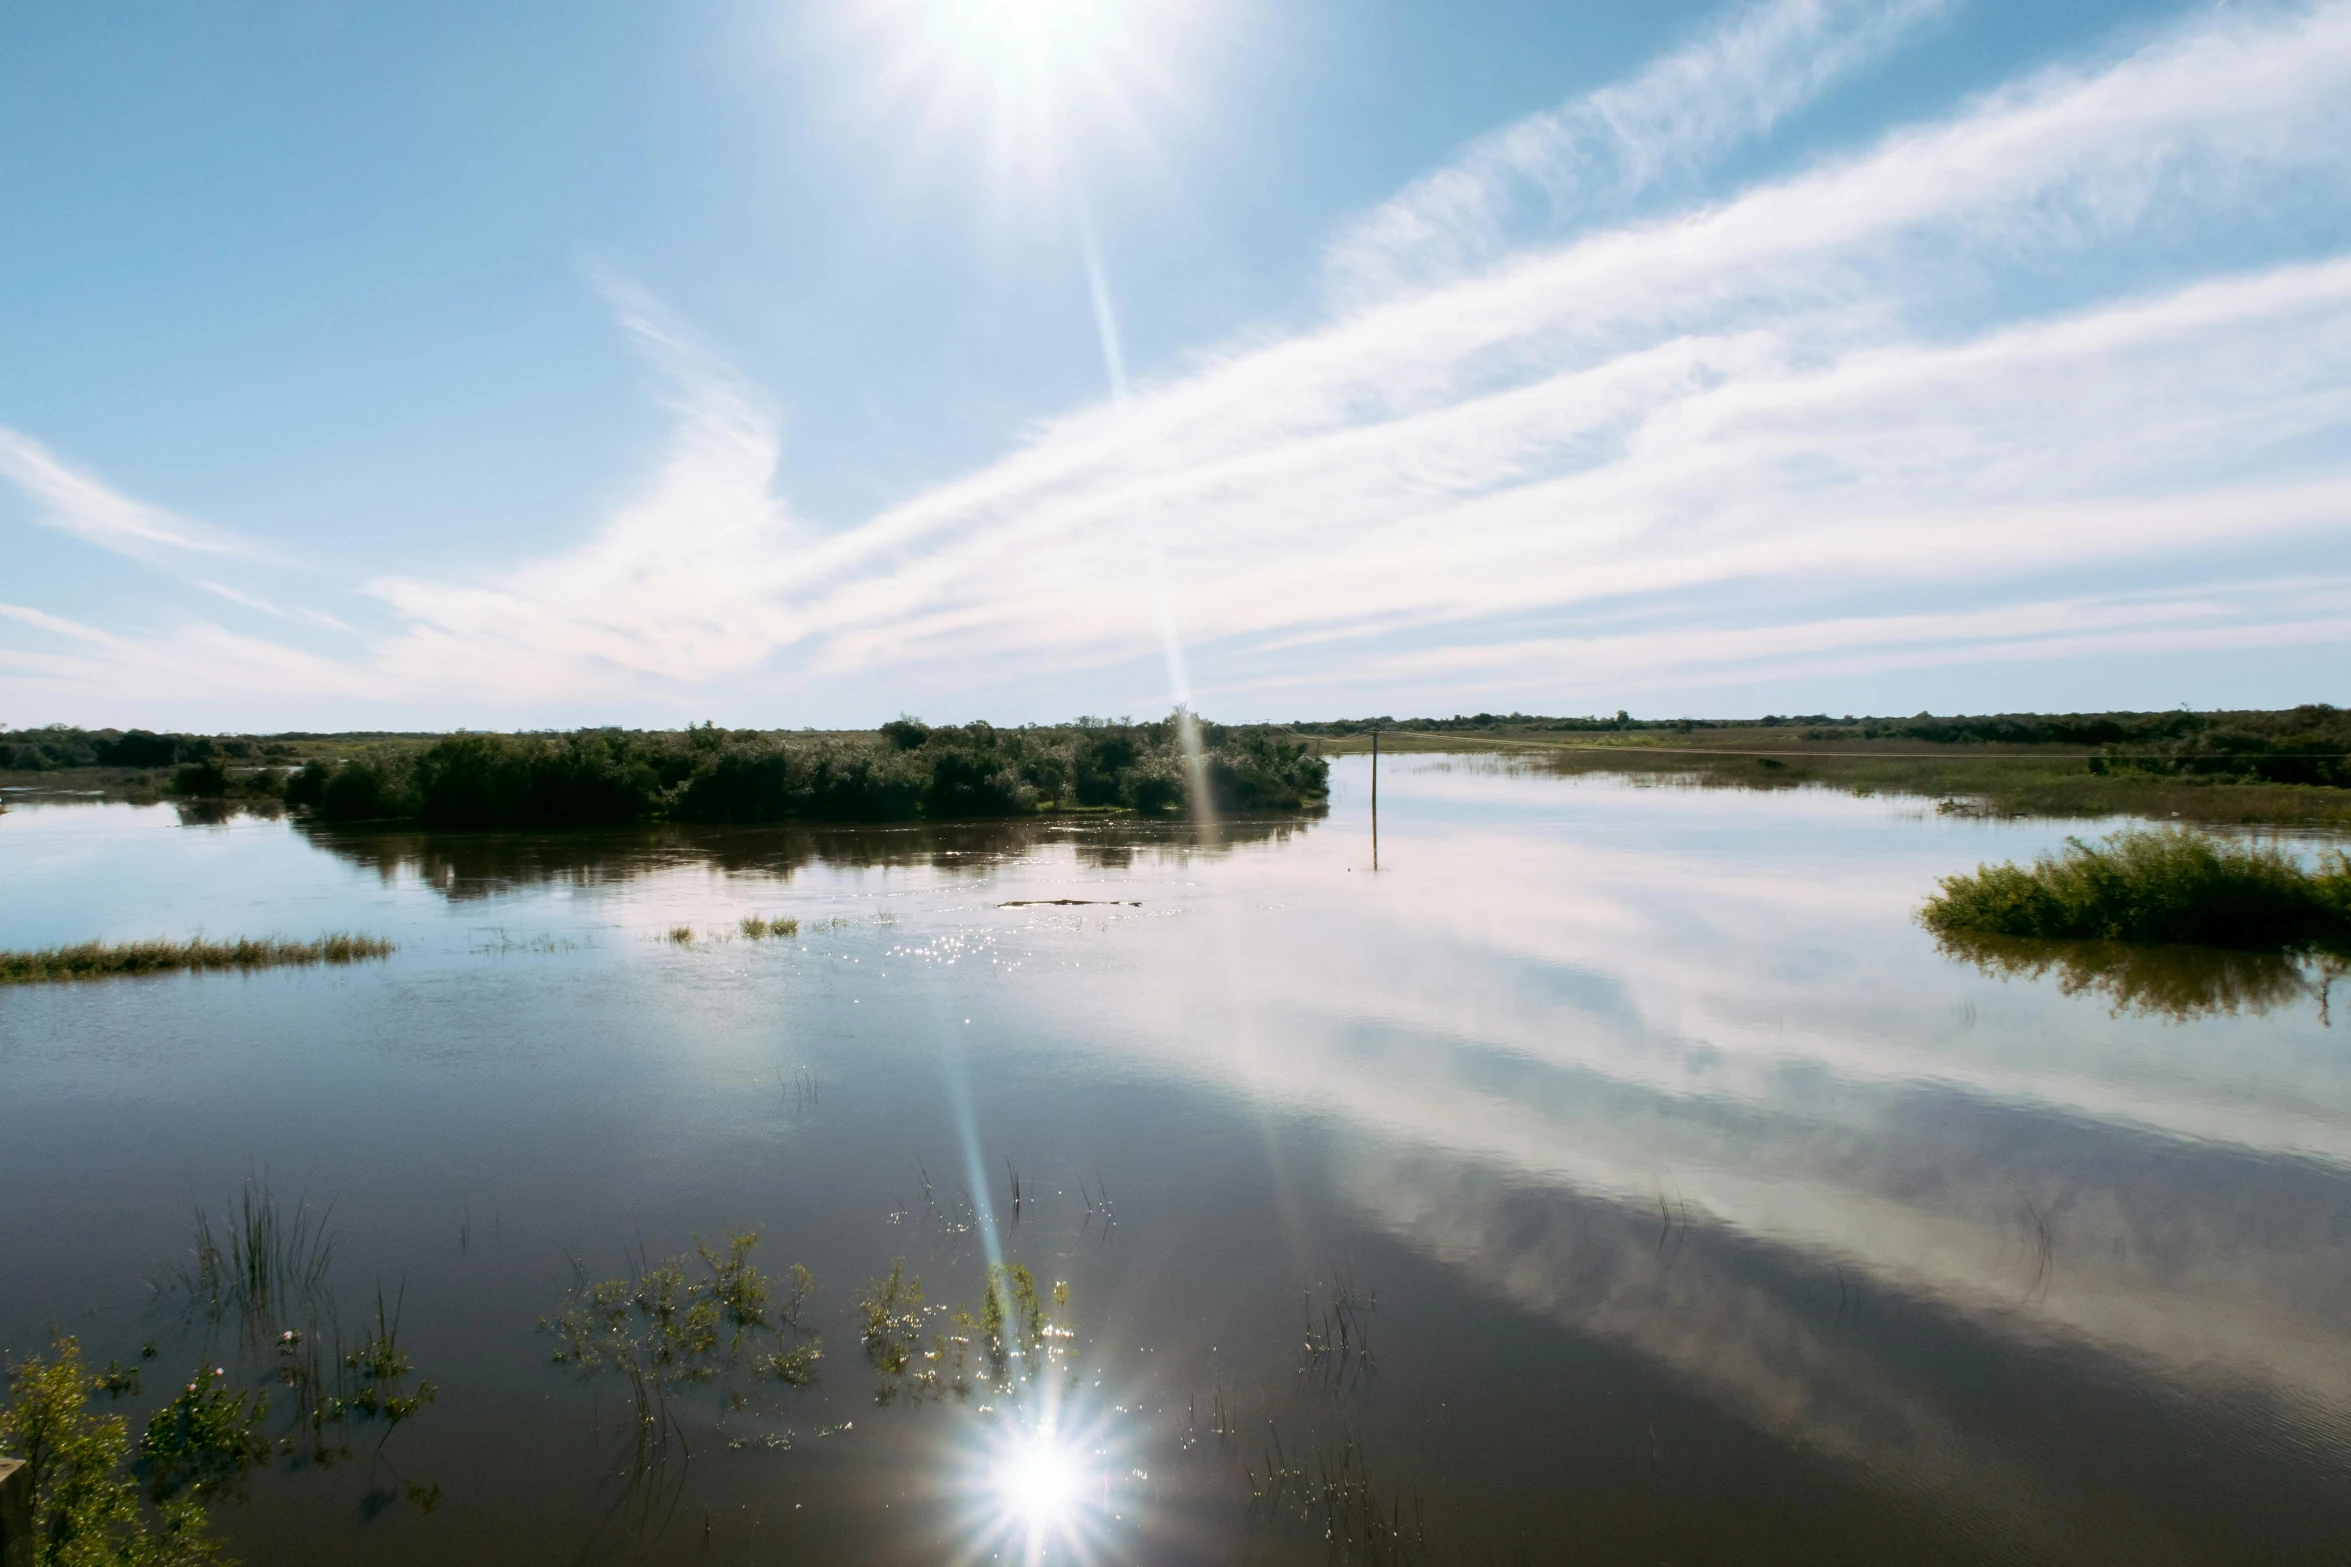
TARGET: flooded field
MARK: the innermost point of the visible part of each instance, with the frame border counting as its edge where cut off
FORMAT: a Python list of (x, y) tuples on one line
[(1615, 1174)]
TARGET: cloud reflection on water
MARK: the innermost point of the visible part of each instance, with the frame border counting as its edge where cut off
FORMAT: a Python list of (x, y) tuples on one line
[(1647, 998)]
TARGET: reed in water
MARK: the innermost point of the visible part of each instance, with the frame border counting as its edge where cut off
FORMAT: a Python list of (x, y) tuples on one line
[(113, 959)]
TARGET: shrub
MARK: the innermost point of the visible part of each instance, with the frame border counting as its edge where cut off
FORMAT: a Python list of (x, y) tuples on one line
[(85, 1502), (591, 778), (208, 779), (364, 790), (138, 748), (910, 770), (2154, 886)]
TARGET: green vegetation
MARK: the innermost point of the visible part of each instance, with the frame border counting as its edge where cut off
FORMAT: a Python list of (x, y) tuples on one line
[(108, 960), (1013, 1336), (904, 772), (2291, 766), (689, 1318), (261, 1271), (59, 748), (2156, 887), (2310, 744), (204, 1440), (86, 1510), (271, 1269), (758, 927)]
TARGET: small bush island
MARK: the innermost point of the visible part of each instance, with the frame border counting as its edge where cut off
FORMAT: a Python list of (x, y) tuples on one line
[(2156, 886)]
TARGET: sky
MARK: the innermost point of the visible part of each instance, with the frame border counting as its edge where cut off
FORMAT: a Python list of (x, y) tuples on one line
[(809, 362)]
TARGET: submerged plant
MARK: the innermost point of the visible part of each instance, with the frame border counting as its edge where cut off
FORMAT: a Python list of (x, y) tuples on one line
[(2153, 887), (1012, 1336), (204, 1440), (85, 1503), (381, 1369), (270, 1268), (1334, 1353), (1334, 1493), (757, 927), (690, 1317), (891, 1311), (263, 1268)]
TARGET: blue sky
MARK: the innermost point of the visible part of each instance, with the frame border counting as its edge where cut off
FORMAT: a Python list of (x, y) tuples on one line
[(805, 363)]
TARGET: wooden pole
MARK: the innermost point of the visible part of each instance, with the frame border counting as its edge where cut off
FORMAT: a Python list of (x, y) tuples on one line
[(1375, 799), (16, 1514)]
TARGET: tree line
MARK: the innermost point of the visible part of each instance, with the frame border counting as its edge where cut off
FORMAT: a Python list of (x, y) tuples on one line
[(908, 771)]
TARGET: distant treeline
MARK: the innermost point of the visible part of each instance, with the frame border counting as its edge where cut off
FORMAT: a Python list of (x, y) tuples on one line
[(2306, 745), (57, 747), (975, 770), (1481, 722), (906, 772), (2309, 744)]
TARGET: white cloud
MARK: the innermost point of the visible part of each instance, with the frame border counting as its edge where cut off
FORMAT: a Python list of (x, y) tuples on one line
[(1737, 80), (1754, 390), (1993, 360), (255, 601), (685, 582), (193, 667), (84, 505)]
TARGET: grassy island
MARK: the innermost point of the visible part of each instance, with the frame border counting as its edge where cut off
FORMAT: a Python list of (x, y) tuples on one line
[(2156, 887), (113, 959)]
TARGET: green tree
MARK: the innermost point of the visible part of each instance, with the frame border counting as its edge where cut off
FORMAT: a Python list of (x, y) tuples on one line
[(86, 1510)]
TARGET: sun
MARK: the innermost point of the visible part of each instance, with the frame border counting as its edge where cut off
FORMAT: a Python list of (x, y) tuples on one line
[(1032, 82)]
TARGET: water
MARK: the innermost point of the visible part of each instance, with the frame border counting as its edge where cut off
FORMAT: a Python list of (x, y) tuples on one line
[(1696, 1207)]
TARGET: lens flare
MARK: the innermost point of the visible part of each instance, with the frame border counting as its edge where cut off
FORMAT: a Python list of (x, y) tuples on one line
[(1037, 1481), (1049, 1485)]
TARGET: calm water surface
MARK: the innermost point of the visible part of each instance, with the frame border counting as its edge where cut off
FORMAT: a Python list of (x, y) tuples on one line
[(1696, 1208)]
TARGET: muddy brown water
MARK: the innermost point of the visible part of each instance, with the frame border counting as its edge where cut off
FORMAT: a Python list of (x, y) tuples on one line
[(1694, 1206)]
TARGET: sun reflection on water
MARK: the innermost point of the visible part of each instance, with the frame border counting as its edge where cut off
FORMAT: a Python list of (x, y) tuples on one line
[(1045, 1490)]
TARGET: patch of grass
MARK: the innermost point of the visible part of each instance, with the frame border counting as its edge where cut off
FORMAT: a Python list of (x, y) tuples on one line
[(1333, 1492), (690, 1317), (1334, 1353), (757, 927), (271, 1269), (891, 1311), (1015, 1337), (2152, 887), (260, 1276), (381, 1368), (115, 959)]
